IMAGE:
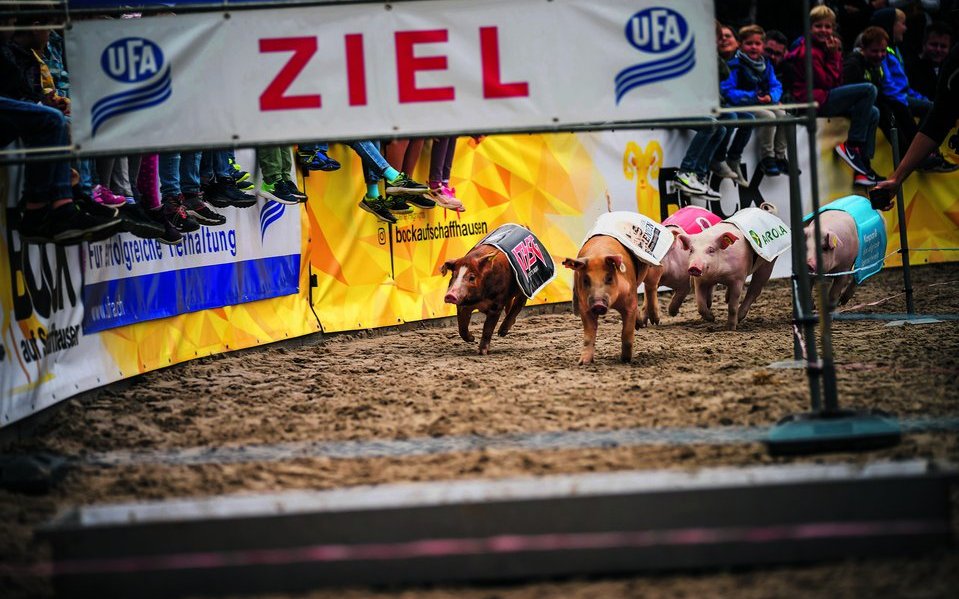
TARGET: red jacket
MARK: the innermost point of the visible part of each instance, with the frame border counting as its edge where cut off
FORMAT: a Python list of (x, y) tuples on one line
[(826, 71)]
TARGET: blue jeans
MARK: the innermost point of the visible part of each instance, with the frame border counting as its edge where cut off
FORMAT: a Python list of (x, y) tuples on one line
[(701, 149), (215, 164), (38, 126), (735, 139), (858, 102), (374, 165), (179, 173), (317, 147)]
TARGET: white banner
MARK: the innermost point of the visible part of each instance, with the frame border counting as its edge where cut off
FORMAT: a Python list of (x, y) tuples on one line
[(374, 70)]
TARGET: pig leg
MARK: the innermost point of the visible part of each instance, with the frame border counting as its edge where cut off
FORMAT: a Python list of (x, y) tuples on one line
[(488, 327), (704, 297), (755, 287), (590, 323), (838, 286), (734, 291), (519, 300), (629, 331), (679, 296), (848, 292), (650, 311), (463, 320)]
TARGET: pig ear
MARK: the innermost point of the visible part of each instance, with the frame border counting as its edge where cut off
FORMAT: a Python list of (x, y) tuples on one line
[(574, 264), (830, 242), (448, 266), (727, 239), (684, 240), (487, 259), (616, 261)]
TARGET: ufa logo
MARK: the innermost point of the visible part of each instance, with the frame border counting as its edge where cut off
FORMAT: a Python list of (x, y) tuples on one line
[(133, 61), (663, 34)]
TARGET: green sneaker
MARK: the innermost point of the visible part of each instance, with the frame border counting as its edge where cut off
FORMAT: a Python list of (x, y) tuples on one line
[(238, 173), (405, 185), (398, 205), (277, 192), (378, 208)]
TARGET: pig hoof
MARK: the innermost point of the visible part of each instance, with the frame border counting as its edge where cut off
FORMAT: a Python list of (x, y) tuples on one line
[(708, 316), (484, 351), (468, 338), (584, 361)]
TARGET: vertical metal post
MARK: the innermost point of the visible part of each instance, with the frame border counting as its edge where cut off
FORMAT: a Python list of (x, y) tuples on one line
[(802, 299), (825, 318), (903, 235)]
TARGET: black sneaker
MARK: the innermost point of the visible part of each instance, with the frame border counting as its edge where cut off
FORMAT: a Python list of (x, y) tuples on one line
[(397, 205), (34, 226), (770, 167), (418, 201), (404, 184), (291, 188), (136, 221), (222, 192), (277, 192), (197, 209), (69, 225), (377, 207), (175, 212), (170, 235), (316, 161), (91, 206)]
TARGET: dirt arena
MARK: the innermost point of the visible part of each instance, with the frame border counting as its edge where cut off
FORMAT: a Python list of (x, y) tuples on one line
[(425, 383)]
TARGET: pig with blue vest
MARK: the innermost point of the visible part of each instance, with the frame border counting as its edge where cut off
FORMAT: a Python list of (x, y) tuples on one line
[(853, 245)]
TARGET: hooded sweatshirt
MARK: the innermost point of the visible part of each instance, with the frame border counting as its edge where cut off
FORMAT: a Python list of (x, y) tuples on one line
[(895, 86), (826, 71)]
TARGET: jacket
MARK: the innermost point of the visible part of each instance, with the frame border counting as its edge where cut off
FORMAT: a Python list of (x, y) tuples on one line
[(826, 71), (744, 85)]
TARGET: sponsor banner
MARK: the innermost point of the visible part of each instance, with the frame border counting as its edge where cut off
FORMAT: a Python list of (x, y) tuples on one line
[(364, 71), (254, 256)]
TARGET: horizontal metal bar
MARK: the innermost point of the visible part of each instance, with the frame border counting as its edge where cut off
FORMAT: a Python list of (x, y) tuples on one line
[(891, 316), (792, 106)]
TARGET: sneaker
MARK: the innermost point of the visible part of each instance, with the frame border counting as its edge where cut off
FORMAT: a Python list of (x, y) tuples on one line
[(222, 192), (291, 188), (316, 161), (377, 207), (88, 205), (105, 196), (770, 167), (68, 225), (445, 196), (783, 165), (175, 212), (137, 222), (423, 202), (34, 226), (197, 209), (852, 156), (170, 235), (863, 180), (722, 170), (710, 193), (276, 192), (246, 186), (737, 168), (239, 175), (688, 183), (397, 204), (937, 163), (404, 184)]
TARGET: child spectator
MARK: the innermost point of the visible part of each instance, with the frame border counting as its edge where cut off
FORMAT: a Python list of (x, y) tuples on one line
[(775, 51), (896, 84), (855, 101), (924, 71), (752, 81), (400, 189), (441, 163), (312, 157), (404, 153)]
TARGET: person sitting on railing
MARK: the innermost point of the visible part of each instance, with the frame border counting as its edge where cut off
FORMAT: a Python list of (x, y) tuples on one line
[(49, 213), (855, 101)]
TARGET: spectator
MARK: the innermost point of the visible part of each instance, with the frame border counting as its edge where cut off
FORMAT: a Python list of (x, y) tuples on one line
[(400, 189), (404, 152), (312, 157), (441, 163), (924, 71), (896, 84), (728, 42), (276, 163), (752, 81), (855, 101)]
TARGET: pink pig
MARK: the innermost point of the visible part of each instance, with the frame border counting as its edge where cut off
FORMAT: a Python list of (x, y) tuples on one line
[(719, 255), (840, 247), (605, 276), (673, 271)]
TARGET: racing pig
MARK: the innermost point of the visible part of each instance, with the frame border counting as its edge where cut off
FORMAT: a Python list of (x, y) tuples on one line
[(720, 255), (605, 276), (673, 271), (483, 281)]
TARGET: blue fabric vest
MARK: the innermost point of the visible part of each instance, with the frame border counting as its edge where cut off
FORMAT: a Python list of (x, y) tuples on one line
[(872, 234)]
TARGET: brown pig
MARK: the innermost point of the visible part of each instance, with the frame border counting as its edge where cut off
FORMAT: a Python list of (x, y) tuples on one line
[(604, 276), (483, 281)]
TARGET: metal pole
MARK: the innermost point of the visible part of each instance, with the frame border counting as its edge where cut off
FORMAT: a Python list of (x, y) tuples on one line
[(802, 302), (903, 235), (825, 323)]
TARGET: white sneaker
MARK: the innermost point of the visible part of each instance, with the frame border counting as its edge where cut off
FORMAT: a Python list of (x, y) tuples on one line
[(737, 169), (689, 183), (722, 170), (708, 192)]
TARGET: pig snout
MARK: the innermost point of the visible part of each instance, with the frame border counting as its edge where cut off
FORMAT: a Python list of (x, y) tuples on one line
[(451, 298), (695, 271), (599, 307), (811, 265)]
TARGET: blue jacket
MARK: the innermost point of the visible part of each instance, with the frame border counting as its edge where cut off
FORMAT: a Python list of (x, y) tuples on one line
[(895, 86), (744, 85)]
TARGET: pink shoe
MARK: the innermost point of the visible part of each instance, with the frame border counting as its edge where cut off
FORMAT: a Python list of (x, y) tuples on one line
[(107, 197), (445, 196)]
